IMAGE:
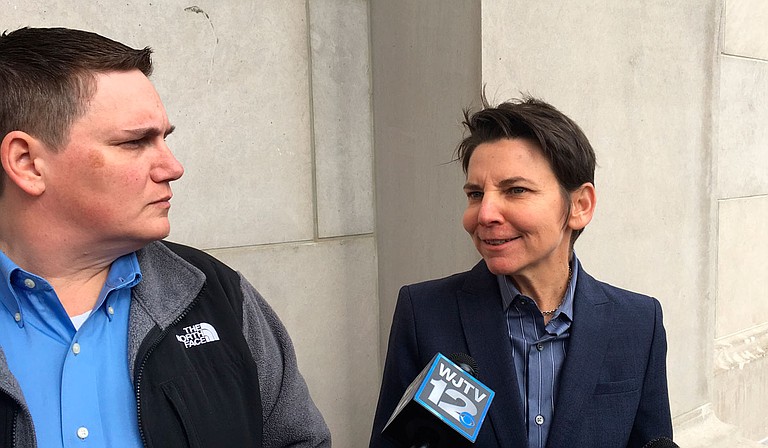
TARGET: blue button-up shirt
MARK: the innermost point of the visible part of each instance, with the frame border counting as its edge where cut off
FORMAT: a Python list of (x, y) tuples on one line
[(75, 381), (539, 352)]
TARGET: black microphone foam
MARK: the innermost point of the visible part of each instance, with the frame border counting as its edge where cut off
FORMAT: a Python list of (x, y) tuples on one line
[(465, 362), (661, 442)]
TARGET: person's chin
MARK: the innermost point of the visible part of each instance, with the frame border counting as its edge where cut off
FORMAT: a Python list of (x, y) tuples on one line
[(499, 265), (158, 231), (162, 235)]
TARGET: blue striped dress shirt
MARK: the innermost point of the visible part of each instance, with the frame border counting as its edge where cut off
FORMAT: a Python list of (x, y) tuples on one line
[(539, 352)]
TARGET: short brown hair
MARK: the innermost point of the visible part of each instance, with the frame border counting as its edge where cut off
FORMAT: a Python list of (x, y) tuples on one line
[(47, 78), (561, 140)]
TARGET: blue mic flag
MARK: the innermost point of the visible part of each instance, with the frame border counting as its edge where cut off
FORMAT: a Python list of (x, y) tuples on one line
[(444, 405)]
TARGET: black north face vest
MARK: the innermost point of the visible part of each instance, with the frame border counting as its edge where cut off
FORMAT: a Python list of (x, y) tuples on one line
[(197, 390), (196, 383)]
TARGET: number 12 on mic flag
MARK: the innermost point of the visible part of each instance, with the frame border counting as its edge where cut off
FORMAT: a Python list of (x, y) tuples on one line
[(452, 395)]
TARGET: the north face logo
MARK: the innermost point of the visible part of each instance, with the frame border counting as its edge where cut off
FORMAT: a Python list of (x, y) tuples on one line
[(198, 334)]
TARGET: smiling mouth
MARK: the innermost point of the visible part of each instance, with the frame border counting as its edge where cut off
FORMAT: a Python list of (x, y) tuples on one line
[(499, 242)]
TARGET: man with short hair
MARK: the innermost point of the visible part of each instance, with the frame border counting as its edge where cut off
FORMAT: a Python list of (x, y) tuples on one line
[(109, 336)]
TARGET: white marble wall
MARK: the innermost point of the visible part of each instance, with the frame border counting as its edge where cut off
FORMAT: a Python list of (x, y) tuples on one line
[(742, 265), (744, 29), (741, 331), (271, 100), (637, 79), (325, 295), (341, 98), (426, 68)]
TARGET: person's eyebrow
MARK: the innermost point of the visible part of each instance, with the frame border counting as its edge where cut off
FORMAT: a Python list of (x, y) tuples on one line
[(505, 183), (150, 131)]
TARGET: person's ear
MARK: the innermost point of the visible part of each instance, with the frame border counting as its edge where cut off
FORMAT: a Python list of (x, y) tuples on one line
[(583, 202), (19, 154)]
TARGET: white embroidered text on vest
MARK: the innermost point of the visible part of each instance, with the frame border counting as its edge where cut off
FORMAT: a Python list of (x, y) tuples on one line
[(198, 334)]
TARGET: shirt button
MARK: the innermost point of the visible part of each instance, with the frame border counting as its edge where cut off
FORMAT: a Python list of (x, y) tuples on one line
[(29, 283), (76, 350), (539, 419), (17, 317), (110, 310), (82, 432), (539, 346)]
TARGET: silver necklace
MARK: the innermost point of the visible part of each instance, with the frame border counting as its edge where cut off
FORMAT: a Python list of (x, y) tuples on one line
[(547, 313)]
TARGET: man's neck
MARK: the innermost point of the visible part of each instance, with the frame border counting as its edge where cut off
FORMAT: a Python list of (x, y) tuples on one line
[(76, 275), (74, 261), (80, 295)]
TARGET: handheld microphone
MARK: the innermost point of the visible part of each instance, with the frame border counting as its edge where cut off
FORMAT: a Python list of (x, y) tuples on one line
[(443, 407), (661, 442)]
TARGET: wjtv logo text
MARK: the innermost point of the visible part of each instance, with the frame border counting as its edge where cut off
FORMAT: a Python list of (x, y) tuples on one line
[(455, 396)]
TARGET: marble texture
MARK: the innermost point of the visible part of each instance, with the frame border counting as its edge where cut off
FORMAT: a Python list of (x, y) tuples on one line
[(741, 396), (746, 22), (742, 157), (426, 69), (702, 429), (742, 249), (235, 79), (342, 116), (325, 294), (637, 79)]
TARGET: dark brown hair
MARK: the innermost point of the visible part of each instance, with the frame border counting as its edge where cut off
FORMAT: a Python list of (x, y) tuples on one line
[(561, 140), (47, 76)]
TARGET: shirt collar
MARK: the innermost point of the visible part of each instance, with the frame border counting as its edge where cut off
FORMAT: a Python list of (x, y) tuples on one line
[(509, 291), (7, 295), (123, 273)]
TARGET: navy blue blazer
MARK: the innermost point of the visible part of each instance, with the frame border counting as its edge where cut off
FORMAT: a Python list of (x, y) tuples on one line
[(613, 385)]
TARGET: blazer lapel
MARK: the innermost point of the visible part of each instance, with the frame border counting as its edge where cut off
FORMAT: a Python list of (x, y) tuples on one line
[(586, 349), (484, 323)]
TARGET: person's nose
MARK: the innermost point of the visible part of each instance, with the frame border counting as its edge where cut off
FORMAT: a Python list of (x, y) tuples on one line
[(490, 210), (168, 168)]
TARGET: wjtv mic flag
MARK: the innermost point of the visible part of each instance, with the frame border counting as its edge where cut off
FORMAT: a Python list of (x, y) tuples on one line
[(454, 397)]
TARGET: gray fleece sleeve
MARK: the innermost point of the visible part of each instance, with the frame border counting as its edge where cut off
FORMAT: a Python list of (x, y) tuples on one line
[(291, 418)]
